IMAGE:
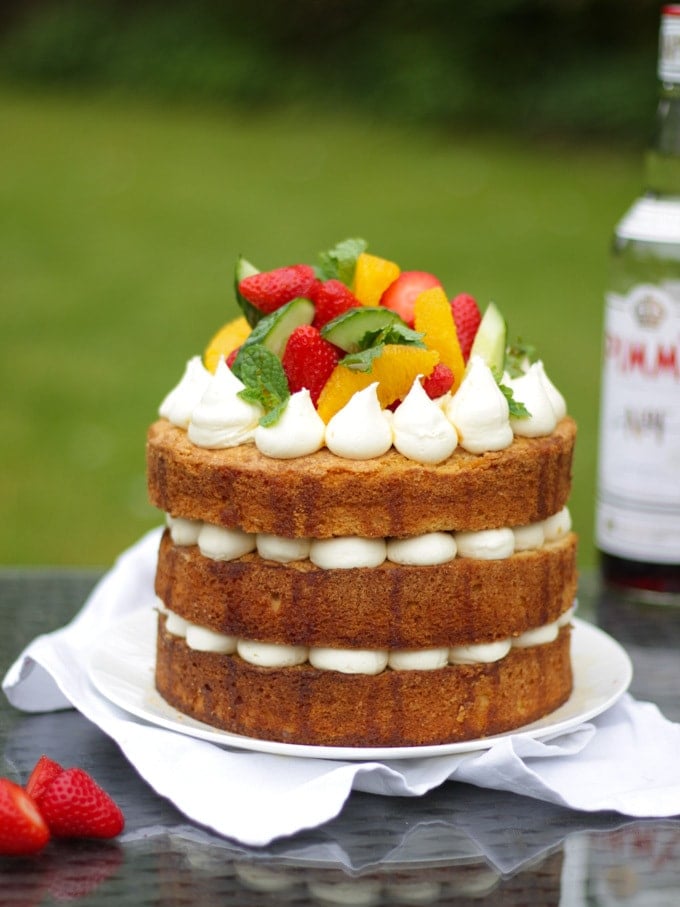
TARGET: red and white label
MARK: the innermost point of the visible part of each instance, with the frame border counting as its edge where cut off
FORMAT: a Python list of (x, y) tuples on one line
[(638, 511)]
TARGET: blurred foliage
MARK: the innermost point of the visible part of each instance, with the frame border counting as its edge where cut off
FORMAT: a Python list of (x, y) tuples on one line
[(580, 68)]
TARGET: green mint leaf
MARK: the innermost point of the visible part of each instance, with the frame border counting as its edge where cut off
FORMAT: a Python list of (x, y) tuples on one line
[(265, 380), (363, 360), (517, 409), (273, 416), (517, 356), (340, 261), (399, 334)]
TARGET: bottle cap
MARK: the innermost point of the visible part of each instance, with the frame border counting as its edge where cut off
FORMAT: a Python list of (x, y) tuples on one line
[(669, 44)]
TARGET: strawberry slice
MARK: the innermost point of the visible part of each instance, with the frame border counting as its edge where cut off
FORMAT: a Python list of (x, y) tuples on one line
[(75, 806), (331, 298), (308, 360), (44, 772), (269, 290), (466, 316), (22, 829), (402, 293)]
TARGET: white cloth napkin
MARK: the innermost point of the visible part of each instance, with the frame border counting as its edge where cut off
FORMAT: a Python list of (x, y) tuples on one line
[(626, 760)]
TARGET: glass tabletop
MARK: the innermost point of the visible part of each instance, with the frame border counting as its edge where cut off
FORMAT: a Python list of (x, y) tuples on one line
[(457, 845)]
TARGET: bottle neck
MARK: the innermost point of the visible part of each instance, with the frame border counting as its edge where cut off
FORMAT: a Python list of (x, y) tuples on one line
[(662, 168)]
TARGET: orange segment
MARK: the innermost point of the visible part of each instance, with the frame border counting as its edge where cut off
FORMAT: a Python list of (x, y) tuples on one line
[(395, 370), (434, 318), (230, 336), (372, 276)]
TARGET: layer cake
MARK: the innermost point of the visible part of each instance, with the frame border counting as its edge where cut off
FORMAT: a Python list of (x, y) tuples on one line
[(380, 552)]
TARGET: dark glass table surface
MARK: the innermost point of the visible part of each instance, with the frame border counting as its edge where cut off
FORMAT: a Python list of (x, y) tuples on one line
[(457, 845)]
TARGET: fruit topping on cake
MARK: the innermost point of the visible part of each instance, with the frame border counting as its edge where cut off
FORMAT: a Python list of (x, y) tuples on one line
[(311, 339)]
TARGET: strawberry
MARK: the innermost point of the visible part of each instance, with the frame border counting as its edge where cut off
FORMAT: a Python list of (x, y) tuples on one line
[(402, 293), (439, 381), (331, 298), (45, 771), (75, 806), (308, 360), (466, 316), (22, 829), (269, 290)]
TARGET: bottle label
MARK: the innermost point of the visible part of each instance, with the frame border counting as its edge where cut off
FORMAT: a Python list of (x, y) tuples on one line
[(651, 220), (669, 49), (638, 508)]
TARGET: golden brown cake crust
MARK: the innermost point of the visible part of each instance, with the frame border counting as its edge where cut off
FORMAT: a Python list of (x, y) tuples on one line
[(322, 495), (392, 606), (395, 708)]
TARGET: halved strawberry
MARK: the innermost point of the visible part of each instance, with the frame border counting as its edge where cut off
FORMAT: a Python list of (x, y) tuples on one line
[(439, 381), (331, 298), (308, 360), (44, 772), (401, 295), (75, 806), (466, 316), (23, 829), (269, 290)]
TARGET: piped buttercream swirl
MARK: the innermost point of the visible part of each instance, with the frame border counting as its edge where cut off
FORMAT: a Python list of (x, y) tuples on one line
[(222, 418), (479, 411)]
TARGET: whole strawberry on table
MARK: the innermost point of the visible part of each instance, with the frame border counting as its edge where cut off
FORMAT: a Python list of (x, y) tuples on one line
[(56, 802)]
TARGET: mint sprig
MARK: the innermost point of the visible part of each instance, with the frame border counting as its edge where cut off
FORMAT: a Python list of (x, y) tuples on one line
[(395, 333), (363, 360), (517, 409), (516, 357), (373, 343), (340, 262), (265, 381)]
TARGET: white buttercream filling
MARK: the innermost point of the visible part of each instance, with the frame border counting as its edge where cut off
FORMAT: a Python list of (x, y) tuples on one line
[(487, 544), (183, 532), (355, 661), (529, 537), (221, 544), (347, 552), (282, 550), (420, 550), (557, 525)]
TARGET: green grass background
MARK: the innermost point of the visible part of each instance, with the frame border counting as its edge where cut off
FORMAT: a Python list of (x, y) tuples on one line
[(119, 227)]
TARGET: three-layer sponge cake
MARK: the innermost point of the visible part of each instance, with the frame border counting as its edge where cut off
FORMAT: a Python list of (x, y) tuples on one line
[(384, 598)]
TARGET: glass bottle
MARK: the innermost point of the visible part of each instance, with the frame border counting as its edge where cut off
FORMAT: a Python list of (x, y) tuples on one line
[(638, 501)]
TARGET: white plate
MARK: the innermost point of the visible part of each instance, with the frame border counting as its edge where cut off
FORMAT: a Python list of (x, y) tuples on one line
[(122, 669)]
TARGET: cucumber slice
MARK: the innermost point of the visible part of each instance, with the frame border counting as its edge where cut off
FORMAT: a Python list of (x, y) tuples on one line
[(490, 339), (273, 330), (242, 270), (347, 330)]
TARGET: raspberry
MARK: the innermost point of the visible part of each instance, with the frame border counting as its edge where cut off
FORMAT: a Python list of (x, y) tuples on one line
[(439, 381)]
